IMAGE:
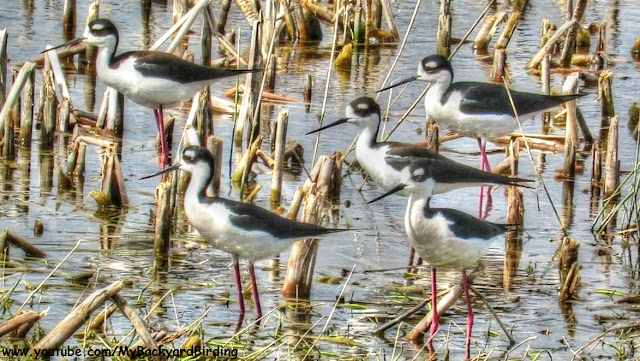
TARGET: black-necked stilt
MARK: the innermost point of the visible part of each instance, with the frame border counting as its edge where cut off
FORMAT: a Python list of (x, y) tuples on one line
[(152, 79), (475, 109), (241, 229), (446, 238), (384, 161)]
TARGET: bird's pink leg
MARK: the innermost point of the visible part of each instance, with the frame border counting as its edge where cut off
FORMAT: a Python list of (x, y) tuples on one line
[(254, 291), (236, 274), (164, 158), (465, 284), (485, 166), (412, 255), (434, 309)]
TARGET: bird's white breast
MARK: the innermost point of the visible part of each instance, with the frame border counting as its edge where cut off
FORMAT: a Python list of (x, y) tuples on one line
[(147, 91), (486, 126), (436, 244)]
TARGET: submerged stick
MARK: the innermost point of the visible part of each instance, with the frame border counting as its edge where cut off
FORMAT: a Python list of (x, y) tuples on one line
[(21, 243)]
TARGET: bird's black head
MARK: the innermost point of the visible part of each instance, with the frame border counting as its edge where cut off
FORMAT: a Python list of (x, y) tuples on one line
[(363, 112), (363, 107), (101, 33), (435, 67), (196, 160)]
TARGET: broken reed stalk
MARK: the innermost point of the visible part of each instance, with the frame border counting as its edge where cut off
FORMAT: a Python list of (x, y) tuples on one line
[(26, 117), (443, 37), (612, 165), (550, 44), (570, 41), (245, 163), (508, 31), (306, 93), (545, 76), (299, 276), (14, 93), (163, 218), (247, 105), (69, 15), (483, 38), (225, 5), (214, 145), (115, 112), (112, 182), (515, 204), (606, 96), (89, 55), (50, 106), (298, 16), (138, 324), (4, 36), (499, 63), (14, 324), (9, 237), (75, 319), (278, 166), (323, 108), (568, 268), (572, 140), (97, 322)]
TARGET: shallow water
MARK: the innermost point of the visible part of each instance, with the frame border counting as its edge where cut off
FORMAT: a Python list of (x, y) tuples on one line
[(118, 245)]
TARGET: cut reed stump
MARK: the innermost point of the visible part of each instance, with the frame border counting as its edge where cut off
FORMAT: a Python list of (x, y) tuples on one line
[(163, 218), (76, 318), (550, 44), (14, 95), (612, 164), (112, 179), (569, 267), (443, 38), (278, 157), (4, 35), (572, 140), (570, 41), (317, 189), (488, 30)]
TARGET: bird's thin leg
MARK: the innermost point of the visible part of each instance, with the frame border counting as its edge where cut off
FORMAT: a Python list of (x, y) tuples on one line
[(254, 291), (164, 158), (434, 309), (236, 274), (465, 284), (412, 255), (487, 167), (483, 153)]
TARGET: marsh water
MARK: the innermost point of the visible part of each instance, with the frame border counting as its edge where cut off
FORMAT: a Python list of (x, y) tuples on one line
[(119, 244)]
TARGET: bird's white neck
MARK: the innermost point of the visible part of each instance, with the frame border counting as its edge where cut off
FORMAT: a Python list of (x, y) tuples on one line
[(104, 60), (200, 178)]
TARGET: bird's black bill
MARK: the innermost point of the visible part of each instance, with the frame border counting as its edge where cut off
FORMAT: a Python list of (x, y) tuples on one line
[(395, 189), (403, 81), (166, 170), (72, 42), (337, 122)]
